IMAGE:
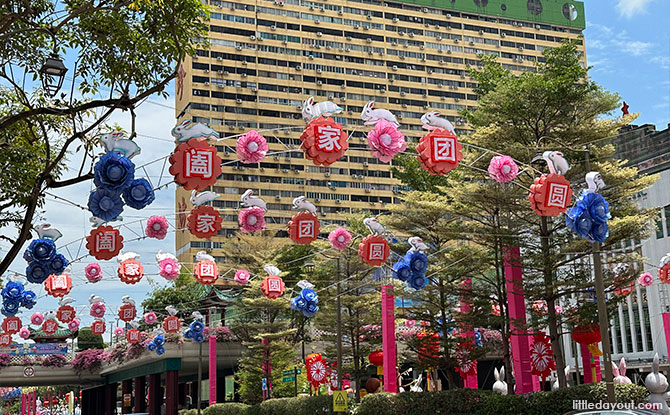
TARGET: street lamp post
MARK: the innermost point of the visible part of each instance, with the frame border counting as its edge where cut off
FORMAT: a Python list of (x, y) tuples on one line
[(53, 72)]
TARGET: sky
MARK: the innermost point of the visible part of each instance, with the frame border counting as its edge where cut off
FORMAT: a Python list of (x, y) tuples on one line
[(627, 44)]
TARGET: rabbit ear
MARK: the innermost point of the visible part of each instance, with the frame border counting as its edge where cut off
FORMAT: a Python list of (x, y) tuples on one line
[(310, 101), (655, 365), (496, 374), (615, 370), (622, 367), (502, 373), (436, 113)]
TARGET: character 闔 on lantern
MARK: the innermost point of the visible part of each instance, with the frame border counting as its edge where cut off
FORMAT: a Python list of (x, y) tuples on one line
[(104, 242), (195, 164), (58, 285)]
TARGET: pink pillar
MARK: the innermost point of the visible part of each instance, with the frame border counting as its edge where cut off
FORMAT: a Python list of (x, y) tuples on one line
[(212, 370), (590, 367), (519, 339), (23, 403), (388, 340), (666, 329), (470, 381)]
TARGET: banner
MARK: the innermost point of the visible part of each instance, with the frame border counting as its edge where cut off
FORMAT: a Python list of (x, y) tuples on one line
[(16, 349)]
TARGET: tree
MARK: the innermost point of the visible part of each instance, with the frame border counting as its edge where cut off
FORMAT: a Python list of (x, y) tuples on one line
[(124, 49), (184, 294), (87, 340)]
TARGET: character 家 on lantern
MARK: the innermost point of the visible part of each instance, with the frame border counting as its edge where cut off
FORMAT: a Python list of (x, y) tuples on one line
[(550, 194), (65, 313), (204, 221), (324, 141), (50, 325), (304, 227), (130, 270), (272, 286)]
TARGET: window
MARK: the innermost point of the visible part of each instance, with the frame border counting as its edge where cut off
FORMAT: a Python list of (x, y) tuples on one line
[(667, 218), (659, 226)]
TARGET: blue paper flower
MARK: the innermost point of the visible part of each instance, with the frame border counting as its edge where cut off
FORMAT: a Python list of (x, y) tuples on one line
[(418, 262), (58, 264), (160, 350), (113, 171), (159, 340), (588, 218), (151, 346), (402, 271), (139, 194), (309, 295), (40, 250), (188, 334), (29, 299), (197, 327), (597, 206), (600, 232), (37, 272), (478, 339), (105, 204), (417, 281), (312, 308), (13, 290), (199, 337), (10, 306), (298, 303)]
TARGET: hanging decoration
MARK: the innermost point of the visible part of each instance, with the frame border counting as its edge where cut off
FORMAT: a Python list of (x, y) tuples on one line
[(385, 141), (465, 365), (58, 285), (171, 324), (37, 319), (98, 327), (588, 218), (195, 164), (73, 325), (65, 313), (412, 268), (588, 334), (168, 265), (119, 332), (43, 258), (439, 152), (196, 329), (664, 269), (204, 221), (317, 369), (645, 279), (324, 141), (157, 227), (374, 250), (550, 194), (541, 356), (311, 111), (104, 242), (105, 203), (14, 296), (248, 200), (372, 116), (118, 143), (139, 194), (50, 325), (251, 220), (376, 358), (157, 344), (503, 169), (150, 318), (251, 147), (127, 311), (190, 129), (622, 281), (5, 339), (242, 276), (206, 272), (306, 301), (272, 285), (130, 271), (429, 351), (339, 238), (133, 335), (98, 307), (24, 333), (304, 227), (11, 325), (432, 121), (93, 272)]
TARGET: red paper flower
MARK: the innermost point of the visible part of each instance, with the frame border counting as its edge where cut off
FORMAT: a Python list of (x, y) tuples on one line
[(386, 141), (466, 366), (304, 228), (133, 336), (104, 242), (550, 195), (324, 141), (339, 238), (204, 221), (11, 325), (272, 286), (127, 312), (66, 313), (541, 356), (439, 151), (645, 279), (195, 165), (206, 272), (664, 274), (374, 250), (98, 327), (50, 326), (157, 227), (171, 324), (58, 285), (251, 220), (130, 271), (317, 370)]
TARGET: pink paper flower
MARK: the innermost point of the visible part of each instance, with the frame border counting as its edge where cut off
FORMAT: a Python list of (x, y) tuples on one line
[(119, 332), (169, 269), (251, 220), (73, 325), (93, 272), (340, 238), (157, 227), (503, 169), (386, 141), (242, 276), (98, 310), (645, 279), (150, 318), (24, 333), (410, 323), (251, 147), (37, 319), (540, 307), (559, 309)]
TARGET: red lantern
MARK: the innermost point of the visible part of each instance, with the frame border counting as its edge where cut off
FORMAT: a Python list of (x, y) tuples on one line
[(550, 195), (11, 325), (133, 336), (104, 242), (98, 327), (58, 285), (5, 339), (195, 165), (171, 324), (206, 272), (374, 250), (50, 326), (204, 222), (65, 313), (127, 312), (272, 286), (439, 151), (376, 358), (130, 271), (664, 273), (324, 141), (587, 334), (304, 228)]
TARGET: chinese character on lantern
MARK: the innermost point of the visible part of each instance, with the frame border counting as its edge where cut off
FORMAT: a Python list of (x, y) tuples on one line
[(374, 250), (206, 272), (439, 151), (272, 286), (133, 336), (58, 285), (50, 326), (304, 228), (557, 195), (130, 271), (98, 327), (104, 242), (327, 138), (65, 313), (204, 221), (324, 141), (127, 312), (195, 164), (550, 195), (5, 339), (443, 149), (11, 325), (171, 324)]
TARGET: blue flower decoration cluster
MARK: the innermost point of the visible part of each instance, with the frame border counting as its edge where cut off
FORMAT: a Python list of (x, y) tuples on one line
[(13, 394), (478, 339), (14, 296), (114, 177), (157, 344), (43, 260), (412, 269), (306, 302), (195, 331), (588, 218)]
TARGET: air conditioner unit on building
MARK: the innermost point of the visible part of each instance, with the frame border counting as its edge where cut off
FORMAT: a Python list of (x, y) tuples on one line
[(277, 197), (395, 20), (502, 34), (298, 68), (347, 50), (285, 170), (311, 8), (391, 80), (276, 157), (365, 164), (368, 40), (262, 169), (356, 26), (238, 48), (481, 32), (254, 89), (338, 201), (383, 90), (422, 47), (366, 27), (369, 17), (244, 63), (439, 38), (472, 43), (425, 9), (273, 27), (448, 52), (327, 174), (340, 12), (395, 67), (404, 105), (403, 93), (252, 37), (328, 47), (411, 34), (244, 75), (319, 34), (319, 83), (343, 99), (367, 190), (448, 15), (206, 83), (318, 70), (238, 101), (401, 33), (441, 61)]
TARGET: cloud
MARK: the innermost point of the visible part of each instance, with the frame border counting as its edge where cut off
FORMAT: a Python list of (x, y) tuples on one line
[(662, 61), (635, 47), (629, 8)]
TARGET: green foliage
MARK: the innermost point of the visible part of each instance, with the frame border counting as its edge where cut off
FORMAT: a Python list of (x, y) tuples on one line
[(301, 405), (183, 293), (87, 340), (231, 408)]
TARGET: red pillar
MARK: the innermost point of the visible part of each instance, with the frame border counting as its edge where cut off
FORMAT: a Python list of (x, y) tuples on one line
[(666, 330), (212, 369), (126, 396), (140, 394), (470, 381), (109, 392), (155, 394), (525, 381), (171, 392), (388, 340)]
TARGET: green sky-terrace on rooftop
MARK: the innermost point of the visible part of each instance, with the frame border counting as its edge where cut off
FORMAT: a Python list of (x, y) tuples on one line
[(567, 13)]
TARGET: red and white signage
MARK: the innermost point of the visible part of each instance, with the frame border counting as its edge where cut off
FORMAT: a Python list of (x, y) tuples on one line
[(104, 242), (195, 164), (204, 221)]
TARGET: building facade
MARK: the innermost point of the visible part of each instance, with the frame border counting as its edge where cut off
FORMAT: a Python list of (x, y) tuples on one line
[(266, 57)]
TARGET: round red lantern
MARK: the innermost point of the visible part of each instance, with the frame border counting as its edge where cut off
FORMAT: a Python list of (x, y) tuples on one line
[(376, 358), (133, 336), (171, 324), (5, 339), (130, 271), (550, 195), (664, 273), (66, 313), (195, 165), (587, 334), (98, 327), (304, 228), (50, 326), (206, 272), (204, 221), (11, 325), (272, 286), (439, 151), (58, 285), (127, 312), (374, 250), (324, 141), (104, 242)]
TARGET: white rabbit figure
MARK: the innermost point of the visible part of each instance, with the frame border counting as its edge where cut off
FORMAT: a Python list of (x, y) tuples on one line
[(500, 386), (45, 230), (371, 116), (128, 255), (160, 255), (310, 110), (198, 199), (620, 372), (432, 120), (96, 221), (249, 200), (118, 143), (203, 256), (190, 129), (301, 203), (374, 226), (657, 384), (554, 383)]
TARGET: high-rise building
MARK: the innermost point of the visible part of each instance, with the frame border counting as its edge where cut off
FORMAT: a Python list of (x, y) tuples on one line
[(266, 57)]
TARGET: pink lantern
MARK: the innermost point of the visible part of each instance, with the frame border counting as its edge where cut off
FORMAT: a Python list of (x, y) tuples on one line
[(503, 169), (339, 238), (242, 276), (150, 318), (251, 147), (645, 279), (386, 141), (157, 227), (73, 325), (251, 220), (93, 272), (37, 319), (169, 268), (24, 333), (98, 310), (118, 332)]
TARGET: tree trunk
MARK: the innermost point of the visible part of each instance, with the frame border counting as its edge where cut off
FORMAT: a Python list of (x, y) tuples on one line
[(445, 340)]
